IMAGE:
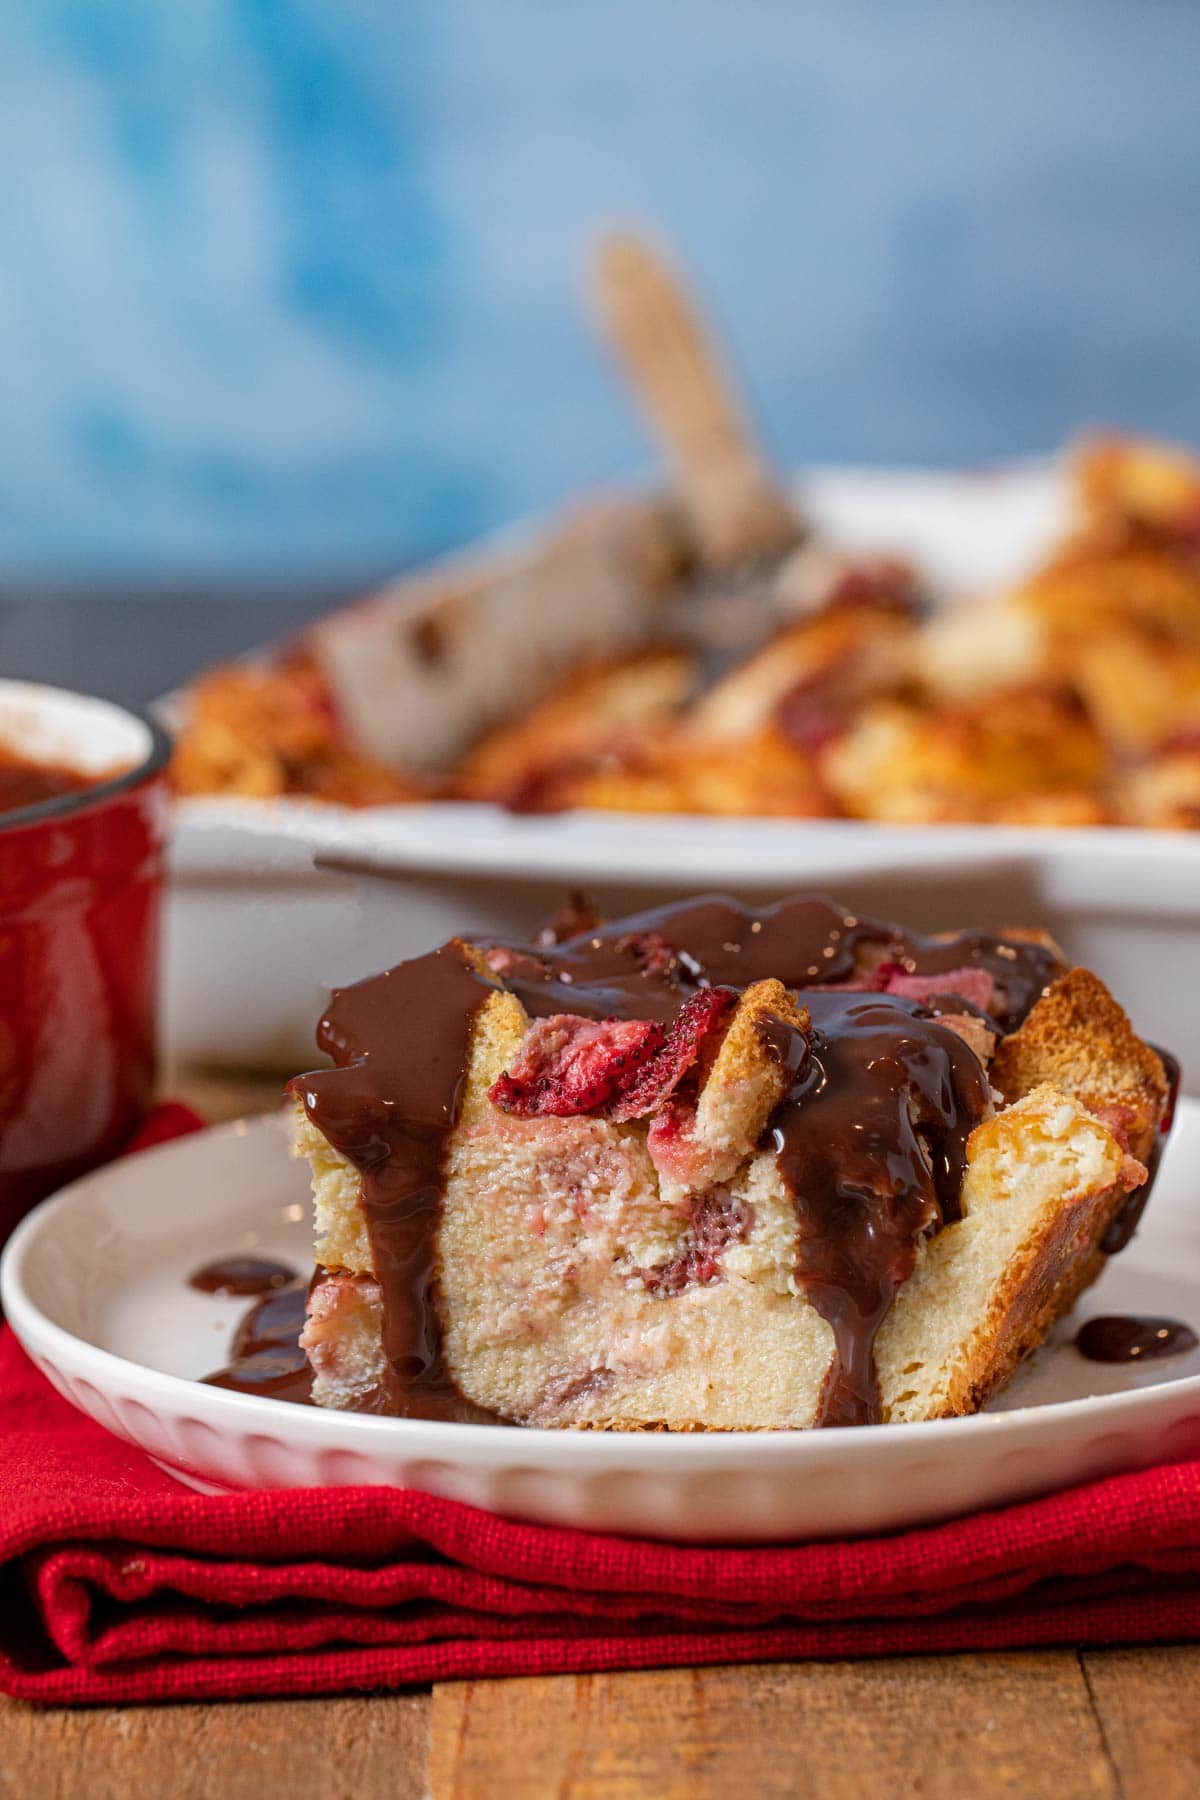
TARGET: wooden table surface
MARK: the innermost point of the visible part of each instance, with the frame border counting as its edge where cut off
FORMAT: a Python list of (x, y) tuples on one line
[(1055, 1724)]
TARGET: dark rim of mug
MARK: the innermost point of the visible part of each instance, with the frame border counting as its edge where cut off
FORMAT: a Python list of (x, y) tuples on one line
[(97, 793)]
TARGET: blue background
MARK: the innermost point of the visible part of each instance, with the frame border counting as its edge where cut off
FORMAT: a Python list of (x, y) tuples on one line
[(290, 291)]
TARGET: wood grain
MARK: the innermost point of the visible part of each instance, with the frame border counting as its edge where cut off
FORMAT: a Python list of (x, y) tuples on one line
[(940, 1727), (1148, 1704), (263, 1750), (1118, 1723)]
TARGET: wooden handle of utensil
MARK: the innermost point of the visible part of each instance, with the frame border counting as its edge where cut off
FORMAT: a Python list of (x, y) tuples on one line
[(736, 507)]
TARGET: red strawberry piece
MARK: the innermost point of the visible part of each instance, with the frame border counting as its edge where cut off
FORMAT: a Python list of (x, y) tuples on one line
[(622, 1068), (704, 1012), (568, 1065)]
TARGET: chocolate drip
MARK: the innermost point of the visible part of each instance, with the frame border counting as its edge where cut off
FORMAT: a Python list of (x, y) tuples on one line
[(1126, 1221), (399, 1043), (265, 1357), (1116, 1339), (872, 1146), (242, 1276), (644, 965), (864, 1198)]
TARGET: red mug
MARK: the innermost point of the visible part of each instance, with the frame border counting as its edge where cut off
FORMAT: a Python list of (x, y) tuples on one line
[(81, 878)]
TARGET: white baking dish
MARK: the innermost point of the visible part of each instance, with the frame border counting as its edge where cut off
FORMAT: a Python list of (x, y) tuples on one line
[(257, 933)]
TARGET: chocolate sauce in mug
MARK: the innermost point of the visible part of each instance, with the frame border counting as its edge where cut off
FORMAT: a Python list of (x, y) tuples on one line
[(26, 783), (80, 884)]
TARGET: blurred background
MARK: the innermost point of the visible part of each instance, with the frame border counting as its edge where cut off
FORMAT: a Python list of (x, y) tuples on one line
[(290, 290)]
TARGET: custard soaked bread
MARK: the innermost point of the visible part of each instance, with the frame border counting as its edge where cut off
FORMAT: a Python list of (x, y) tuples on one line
[(714, 1169)]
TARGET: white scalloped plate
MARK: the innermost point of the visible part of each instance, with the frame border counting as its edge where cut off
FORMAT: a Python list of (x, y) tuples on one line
[(94, 1285)]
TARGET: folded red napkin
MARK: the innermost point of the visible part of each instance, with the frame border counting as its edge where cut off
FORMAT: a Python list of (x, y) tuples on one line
[(117, 1584)]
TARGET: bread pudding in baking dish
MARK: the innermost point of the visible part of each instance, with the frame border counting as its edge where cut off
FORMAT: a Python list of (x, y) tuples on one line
[(709, 1168), (1071, 699), (706, 650)]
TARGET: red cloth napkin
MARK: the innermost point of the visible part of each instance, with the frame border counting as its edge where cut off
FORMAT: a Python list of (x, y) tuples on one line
[(117, 1584)]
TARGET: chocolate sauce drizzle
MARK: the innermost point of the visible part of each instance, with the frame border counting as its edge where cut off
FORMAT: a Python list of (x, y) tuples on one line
[(872, 1146), (399, 1045), (871, 1138), (1129, 1215)]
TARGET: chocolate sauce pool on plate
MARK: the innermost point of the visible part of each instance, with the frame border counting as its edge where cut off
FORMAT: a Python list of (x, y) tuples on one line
[(265, 1357), (243, 1277), (400, 1044), (1115, 1338)]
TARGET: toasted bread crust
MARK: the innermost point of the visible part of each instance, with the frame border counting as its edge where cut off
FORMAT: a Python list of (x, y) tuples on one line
[(1039, 1287), (746, 1081), (1078, 1038)]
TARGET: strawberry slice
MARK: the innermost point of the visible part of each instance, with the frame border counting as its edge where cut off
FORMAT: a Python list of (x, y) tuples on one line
[(974, 985), (619, 1068)]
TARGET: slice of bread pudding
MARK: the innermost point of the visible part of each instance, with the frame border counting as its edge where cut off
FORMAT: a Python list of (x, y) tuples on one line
[(708, 1168)]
